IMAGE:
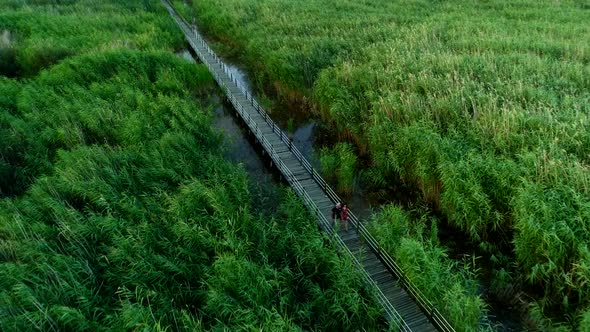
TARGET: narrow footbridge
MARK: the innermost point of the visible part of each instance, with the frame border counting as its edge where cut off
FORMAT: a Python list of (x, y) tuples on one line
[(404, 305)]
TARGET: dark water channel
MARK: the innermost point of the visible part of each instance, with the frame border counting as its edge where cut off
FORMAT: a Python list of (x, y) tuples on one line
[(309, 136)]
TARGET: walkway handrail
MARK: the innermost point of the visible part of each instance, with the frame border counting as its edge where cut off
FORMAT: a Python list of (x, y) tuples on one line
[(436, 317)]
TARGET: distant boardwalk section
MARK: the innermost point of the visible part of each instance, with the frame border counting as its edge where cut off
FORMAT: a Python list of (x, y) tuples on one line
[(403, 304)]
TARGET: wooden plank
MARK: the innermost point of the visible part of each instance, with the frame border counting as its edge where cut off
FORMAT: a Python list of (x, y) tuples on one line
[(286, 156), (406, 309), (252, 111), (342, 233), (319, 193), (266, 130), (312, 185), (285, 153), (425, 327), (382, 278), (303, 175), (419, 319), (379, 274), (370, 265), (314, 191), (276, 139), (354, 247), (295, 166), (242, 99), (368, 258), (260, 119), (361, 254), (389, 288), (280, 149), (399, 305), (289, 158), (325, 200), (325, 208), (411, 311), (255, 116), (276, 142), (349, 236), (405, 306), (308, 183), (414, 319), (314, 195), (291, 162), (394, 289), (399, 297), (233, 88)]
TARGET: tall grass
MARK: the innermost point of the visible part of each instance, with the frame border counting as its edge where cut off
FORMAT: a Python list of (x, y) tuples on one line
[(44, 33), (450, 285), (483, 107), (340, 164), (119, 211)]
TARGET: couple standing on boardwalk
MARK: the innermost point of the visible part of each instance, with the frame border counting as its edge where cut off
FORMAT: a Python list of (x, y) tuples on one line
[(340, 212)]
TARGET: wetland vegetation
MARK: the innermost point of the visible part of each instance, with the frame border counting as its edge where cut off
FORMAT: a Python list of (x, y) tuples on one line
[(480, 107), (114, 191)]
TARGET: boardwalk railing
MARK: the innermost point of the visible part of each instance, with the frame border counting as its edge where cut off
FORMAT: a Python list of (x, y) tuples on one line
[(435, 316)]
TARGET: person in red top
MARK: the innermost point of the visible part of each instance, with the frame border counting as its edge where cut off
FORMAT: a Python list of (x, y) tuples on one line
[(344, 216)]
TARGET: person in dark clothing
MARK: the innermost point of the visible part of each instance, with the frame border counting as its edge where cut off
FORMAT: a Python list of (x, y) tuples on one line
[(337, 213)]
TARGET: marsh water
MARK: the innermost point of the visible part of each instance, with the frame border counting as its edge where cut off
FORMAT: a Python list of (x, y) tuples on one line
[(309, 136)]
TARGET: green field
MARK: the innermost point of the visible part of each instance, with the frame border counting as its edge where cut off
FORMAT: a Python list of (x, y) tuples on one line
[(483, 107), (114, 191)]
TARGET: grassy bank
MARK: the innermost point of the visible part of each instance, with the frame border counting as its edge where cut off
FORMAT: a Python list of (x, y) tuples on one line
[(481, 106), (114, 210), (450, 285)]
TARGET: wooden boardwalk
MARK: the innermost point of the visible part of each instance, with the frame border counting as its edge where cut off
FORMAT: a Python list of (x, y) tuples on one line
[(403, 304)]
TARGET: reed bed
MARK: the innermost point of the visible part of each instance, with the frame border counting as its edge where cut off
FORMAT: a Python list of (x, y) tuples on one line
[(480, 106)]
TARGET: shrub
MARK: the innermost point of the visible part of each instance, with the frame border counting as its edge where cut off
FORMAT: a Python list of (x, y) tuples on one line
[(451, 286), (340, 163)]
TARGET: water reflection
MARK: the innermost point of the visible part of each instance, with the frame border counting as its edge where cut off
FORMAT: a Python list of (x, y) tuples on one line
[(239, 149), (303, 139)]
